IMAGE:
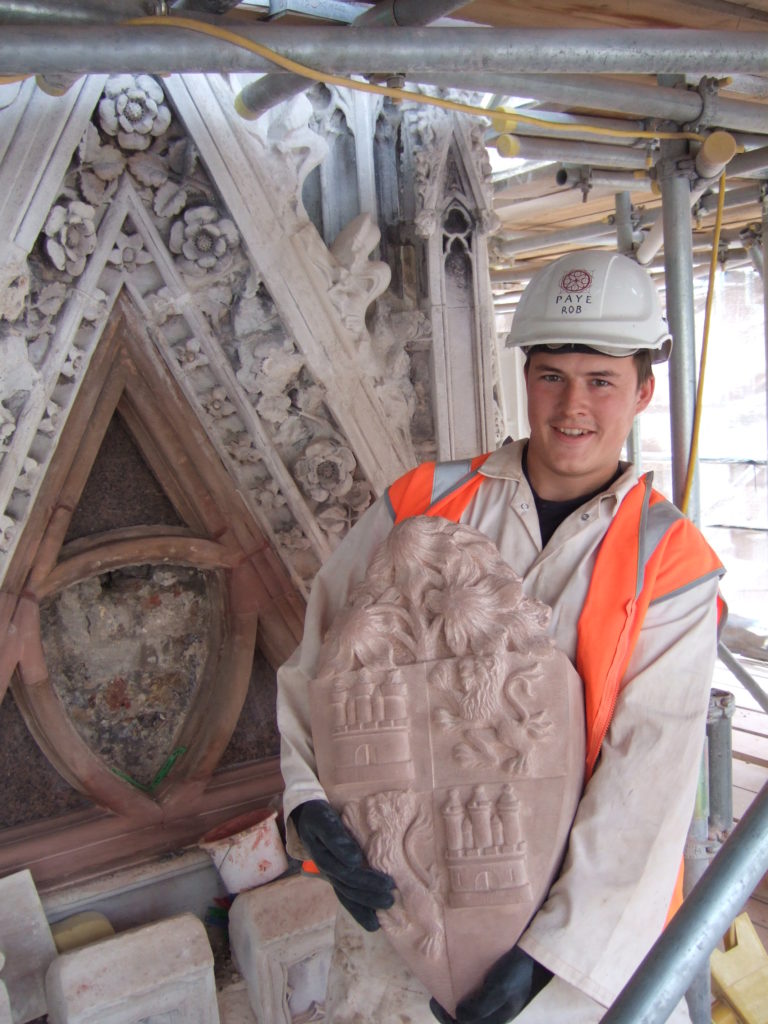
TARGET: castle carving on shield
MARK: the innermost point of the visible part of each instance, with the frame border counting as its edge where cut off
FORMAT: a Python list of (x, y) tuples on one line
[(370, 728), (485, 852)]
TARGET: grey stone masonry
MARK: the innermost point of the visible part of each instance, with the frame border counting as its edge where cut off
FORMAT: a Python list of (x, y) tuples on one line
[(161, 973), (281, 936), (26, 944)]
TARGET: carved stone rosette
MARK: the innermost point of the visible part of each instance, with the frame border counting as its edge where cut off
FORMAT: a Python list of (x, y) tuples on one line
[(449, 732)]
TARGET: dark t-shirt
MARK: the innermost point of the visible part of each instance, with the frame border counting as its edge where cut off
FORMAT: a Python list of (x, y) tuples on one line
[(552, 513)]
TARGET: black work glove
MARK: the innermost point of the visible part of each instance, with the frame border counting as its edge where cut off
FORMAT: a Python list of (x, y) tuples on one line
[(510, 985), (337, 854)]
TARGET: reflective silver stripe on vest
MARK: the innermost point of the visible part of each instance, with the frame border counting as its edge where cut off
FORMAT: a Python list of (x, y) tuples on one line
[(655, 521), (715, 574), (654, 525), (448, 476), (390, 506)]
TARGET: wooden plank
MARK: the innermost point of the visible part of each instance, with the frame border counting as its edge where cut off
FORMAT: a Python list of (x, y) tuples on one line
[(751, 748), (745, 720), (742, 798), (599, 14), (750, 777), (758, 915)]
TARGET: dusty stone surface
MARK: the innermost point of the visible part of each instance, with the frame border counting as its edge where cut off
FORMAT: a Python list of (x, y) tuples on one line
[(27, 945), (449, 731), (121, 490), (281, 937), (39, 791), (158, 974), (127, 699), (234, 1005)]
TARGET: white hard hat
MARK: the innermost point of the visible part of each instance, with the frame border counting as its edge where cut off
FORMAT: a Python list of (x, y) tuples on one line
[(601, 300)]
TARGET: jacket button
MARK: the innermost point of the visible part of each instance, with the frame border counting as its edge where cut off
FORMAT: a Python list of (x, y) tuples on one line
[(524, 506), (584, 516)]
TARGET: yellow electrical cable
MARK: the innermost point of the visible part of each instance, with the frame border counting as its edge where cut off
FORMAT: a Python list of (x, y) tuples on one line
[(497, 115), (704, 347)]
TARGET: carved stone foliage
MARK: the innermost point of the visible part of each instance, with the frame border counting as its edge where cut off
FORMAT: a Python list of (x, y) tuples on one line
[(429, 135), (449, 731), (137, 210), (292, 149)]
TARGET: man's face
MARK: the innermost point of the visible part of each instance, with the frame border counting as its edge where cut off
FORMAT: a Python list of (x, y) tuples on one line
[(580, 406)]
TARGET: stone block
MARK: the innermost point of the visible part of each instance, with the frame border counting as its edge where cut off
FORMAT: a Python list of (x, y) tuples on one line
[(161, 973), (281, 937), (27, 945)]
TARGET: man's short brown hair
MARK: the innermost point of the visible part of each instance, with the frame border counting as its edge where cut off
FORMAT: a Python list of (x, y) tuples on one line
[(643, 365)]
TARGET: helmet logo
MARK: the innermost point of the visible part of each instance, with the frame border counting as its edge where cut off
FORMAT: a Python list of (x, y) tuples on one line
[(576, 281)]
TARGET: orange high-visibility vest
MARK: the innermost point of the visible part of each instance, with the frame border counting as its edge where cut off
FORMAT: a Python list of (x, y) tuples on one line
[(649, 553)]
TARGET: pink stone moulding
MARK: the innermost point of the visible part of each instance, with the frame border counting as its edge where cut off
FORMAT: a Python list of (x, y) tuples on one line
[(449, 732)]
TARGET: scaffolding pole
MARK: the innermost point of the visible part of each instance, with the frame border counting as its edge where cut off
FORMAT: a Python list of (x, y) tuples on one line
[(678, 273), (664, 975)]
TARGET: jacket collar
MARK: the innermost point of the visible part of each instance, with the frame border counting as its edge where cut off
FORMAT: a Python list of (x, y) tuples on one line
[(506, 463)]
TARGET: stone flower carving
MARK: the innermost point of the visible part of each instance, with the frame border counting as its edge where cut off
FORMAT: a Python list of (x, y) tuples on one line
[(129, 252), (190, 355), (218, 405), (72, 365), (100, 183), (271, 499), (70, 236), (204, 240), (273, 408), (298, 549), (7, 427), (49, 424), (242, 449), (27, 478), (325, 470), (133, 110), (14, 285), (7, 531)]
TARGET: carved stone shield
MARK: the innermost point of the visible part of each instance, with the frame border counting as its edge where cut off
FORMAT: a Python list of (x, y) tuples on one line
[(449, 732)]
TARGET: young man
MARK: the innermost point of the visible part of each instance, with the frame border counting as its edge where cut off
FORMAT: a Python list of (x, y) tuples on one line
[(632, 587)]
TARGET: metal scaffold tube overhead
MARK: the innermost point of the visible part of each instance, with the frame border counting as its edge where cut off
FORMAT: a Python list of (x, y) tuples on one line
[(594, 154), (602, 230), (635, 181), (555, 124), (79, 10), (716, 152), (167, 48), (611, 95), (753, 163), (272, 89)]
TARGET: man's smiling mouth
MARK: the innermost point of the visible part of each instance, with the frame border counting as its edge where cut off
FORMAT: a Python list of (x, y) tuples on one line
[(573, 431)]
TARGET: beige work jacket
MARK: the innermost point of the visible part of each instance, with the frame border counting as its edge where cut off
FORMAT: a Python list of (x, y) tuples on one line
[(610, 901)]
